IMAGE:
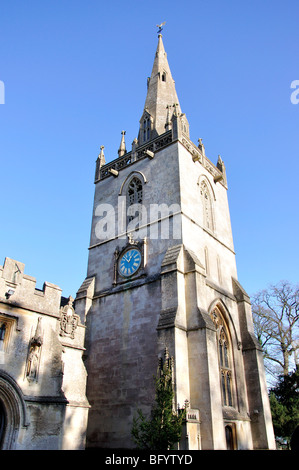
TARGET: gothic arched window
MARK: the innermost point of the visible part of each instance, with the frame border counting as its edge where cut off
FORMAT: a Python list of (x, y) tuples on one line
[(224, 356), (207, 206), (134, 198)]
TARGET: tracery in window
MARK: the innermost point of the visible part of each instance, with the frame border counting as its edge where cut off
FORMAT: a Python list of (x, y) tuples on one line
[(134, 198), (207, 206), (225, 357)]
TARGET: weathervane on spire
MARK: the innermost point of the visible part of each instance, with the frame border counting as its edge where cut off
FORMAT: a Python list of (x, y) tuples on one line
[(160, 26)]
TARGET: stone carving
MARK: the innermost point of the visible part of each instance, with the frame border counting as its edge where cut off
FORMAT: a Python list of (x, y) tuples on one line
[(34, 353), (196, 155), (68, 320)]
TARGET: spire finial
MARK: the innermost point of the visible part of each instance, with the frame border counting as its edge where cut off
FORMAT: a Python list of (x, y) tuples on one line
[(160, 26), (122, 147), (201, 146), (168, 121), (101, 157), (175, 105)]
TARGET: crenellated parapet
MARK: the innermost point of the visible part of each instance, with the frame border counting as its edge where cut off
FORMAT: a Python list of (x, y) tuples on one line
[(18, 288), (149, 149)]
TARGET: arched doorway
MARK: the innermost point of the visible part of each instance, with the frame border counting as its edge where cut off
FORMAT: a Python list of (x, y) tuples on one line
[(2, 422), (12, 411)]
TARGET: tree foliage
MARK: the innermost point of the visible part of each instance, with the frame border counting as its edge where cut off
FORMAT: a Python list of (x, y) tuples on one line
[(284, 401), (276, 321), (164, 426)]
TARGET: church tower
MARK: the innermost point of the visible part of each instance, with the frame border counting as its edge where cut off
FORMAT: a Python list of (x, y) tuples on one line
[(162, 279)]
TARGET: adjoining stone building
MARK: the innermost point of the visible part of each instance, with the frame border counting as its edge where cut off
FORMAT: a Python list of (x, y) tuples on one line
[(43, 404), (162, 276)]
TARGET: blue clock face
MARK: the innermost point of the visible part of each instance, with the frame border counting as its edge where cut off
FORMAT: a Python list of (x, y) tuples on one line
[(129, 262)]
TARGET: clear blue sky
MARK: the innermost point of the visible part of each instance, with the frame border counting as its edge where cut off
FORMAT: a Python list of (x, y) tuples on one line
[(75, 76)]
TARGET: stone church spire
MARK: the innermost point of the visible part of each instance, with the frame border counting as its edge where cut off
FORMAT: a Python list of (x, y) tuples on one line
[(161, 96)]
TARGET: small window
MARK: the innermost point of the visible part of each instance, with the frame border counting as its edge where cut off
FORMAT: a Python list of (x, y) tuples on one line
[(163, 77), (146, 129)]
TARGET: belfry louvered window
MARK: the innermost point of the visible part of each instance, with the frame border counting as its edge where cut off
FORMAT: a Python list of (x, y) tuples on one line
[(134, 198), (225, 357)]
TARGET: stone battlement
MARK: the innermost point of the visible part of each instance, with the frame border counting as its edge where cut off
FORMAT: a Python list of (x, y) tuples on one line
[(18, 288)]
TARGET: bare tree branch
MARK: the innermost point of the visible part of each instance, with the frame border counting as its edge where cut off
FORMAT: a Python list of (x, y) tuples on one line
[(276, 321)]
